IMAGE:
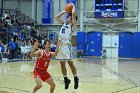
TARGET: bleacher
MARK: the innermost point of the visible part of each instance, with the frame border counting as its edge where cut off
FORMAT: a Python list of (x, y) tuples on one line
[(18, 27)]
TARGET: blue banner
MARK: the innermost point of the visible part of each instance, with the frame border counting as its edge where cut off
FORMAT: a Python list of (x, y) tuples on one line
[(109, 9), (73, 1), (46, 11), (109, 14)]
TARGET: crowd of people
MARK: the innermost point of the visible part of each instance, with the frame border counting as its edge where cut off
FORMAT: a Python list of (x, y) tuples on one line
[(16, 36)]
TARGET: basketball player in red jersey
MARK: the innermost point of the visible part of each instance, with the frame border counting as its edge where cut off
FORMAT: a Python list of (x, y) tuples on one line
[(40, 71)]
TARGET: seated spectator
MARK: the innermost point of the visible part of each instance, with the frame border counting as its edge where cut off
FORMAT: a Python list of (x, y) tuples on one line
[(24, 51), (5, 15), (80, 54), (1, 56), (5, 52), (104, 54)]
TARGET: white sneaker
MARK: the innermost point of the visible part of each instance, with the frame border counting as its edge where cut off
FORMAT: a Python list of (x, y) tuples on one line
[(6, 59), (3, 59)]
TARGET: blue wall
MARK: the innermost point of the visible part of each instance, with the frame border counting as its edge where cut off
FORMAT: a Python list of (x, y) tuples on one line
[(90, 42), (137, 45), (81, 40), (94, 44), (129, 45)]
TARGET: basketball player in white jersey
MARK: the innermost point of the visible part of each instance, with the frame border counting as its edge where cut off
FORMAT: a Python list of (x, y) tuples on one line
[(65, 51)]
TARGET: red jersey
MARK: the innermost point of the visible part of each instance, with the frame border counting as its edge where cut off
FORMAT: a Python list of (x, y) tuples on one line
[(43, 62)]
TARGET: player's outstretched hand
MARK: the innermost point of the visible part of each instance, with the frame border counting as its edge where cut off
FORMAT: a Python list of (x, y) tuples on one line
[(58, 43), (72, 4)]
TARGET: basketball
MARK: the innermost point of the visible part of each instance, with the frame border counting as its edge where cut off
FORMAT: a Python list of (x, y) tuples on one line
[(68, 8)]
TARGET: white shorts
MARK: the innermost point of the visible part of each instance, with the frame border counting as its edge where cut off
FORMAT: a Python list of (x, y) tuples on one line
[(65, 52)]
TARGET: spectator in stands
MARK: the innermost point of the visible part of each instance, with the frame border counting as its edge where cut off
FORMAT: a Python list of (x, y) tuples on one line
[(5, 15), (28, 49), (2, 49), (19, 43), (12, 47), (24, 51), (6, 52), (1, 56)]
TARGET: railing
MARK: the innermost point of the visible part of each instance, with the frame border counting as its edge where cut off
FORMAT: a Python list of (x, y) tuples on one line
[(88, 21), (9, 11)]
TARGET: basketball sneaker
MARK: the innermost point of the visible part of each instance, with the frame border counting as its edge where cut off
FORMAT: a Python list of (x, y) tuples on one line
[(76, 82), (67, 82)]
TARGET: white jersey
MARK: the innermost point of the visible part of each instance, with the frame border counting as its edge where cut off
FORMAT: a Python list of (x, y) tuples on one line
[(65, 34), (65, 49)]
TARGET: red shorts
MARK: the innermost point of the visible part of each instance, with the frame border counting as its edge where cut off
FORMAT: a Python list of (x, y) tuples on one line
[(43, 75)]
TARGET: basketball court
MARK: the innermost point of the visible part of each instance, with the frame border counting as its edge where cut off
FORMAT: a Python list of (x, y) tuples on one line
[(110, 25), (96, 76)]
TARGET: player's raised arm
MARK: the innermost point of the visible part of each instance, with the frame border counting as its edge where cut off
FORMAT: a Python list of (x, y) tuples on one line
[(58, 17), (74, 18), (57, 49), (34, 51)]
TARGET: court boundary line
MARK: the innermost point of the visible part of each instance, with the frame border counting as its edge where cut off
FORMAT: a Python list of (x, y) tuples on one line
[(15, 89), (125, 89)]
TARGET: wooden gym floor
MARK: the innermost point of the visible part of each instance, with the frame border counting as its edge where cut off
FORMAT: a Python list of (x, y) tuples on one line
[(96, 76)]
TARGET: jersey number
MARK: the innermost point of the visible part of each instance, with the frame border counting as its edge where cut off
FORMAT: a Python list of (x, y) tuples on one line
[(63, 30), (45, 64)]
